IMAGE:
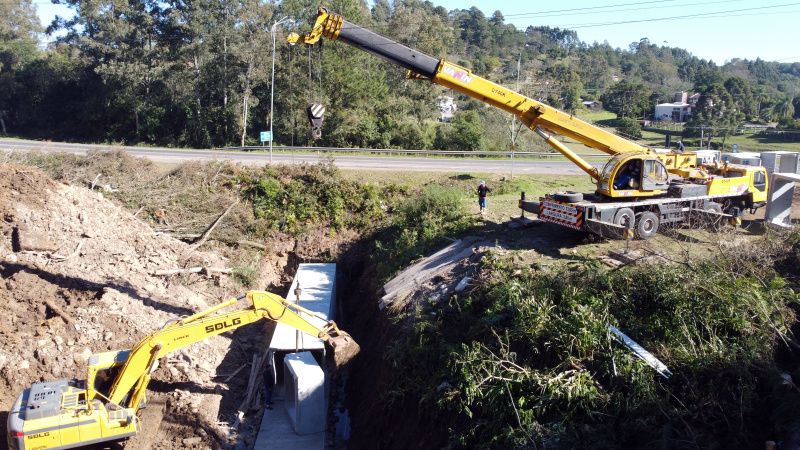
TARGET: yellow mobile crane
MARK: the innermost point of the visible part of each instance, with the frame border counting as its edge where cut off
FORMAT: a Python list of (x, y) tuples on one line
[(65, 414), (638, 187)]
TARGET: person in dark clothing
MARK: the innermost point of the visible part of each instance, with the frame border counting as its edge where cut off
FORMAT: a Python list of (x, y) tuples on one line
[(482, 191), (269, 382)]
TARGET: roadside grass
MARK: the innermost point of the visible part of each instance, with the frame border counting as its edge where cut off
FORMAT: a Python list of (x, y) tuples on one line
[(503, 200)]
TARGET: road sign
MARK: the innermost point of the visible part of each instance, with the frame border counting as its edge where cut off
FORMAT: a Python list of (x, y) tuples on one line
[(735, 148), (266, 136)]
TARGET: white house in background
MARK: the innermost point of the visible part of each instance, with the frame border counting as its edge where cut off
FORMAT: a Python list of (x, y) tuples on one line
[(679, 110), (447, 108)]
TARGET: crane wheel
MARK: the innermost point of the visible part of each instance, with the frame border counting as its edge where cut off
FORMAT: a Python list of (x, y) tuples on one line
[(647, 225), (624, 218)]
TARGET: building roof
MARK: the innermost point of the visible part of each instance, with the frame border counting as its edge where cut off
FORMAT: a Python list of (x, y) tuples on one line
[(674, 104)]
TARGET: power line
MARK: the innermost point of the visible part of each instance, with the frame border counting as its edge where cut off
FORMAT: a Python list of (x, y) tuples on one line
[(648, 8), (588, 8), (686, 16)]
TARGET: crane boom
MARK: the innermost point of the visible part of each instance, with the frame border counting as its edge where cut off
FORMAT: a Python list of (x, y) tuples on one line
[(535, 115)]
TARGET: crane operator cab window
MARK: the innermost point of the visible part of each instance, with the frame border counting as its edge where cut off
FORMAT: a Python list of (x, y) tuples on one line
[(759, 180), (655, 175), (628, 175)]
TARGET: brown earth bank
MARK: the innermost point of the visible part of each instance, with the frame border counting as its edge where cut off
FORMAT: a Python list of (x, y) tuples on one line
[(77, 276)]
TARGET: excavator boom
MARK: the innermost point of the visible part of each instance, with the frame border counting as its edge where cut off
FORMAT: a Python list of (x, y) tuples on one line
[(72, 413)]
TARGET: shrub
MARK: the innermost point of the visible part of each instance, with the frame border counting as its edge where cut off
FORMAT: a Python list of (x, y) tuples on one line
[(629, 128)]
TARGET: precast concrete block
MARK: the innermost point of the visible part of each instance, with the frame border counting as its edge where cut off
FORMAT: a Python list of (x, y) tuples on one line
[(770, 161), (304, 382), (779, 201), (790, 163)]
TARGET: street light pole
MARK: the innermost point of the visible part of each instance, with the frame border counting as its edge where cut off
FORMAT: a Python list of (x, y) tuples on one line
[(272, 88)]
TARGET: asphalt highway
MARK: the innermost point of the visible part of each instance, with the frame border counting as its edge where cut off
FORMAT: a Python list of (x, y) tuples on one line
[(357, 162)]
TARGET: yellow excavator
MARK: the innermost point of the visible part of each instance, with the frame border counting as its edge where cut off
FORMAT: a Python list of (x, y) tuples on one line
[(65, 414), (639, 187)]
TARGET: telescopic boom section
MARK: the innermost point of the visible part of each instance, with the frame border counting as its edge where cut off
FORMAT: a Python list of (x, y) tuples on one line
[(534, 114)]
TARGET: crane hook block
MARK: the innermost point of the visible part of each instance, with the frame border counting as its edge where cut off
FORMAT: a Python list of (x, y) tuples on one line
[(316, 114)]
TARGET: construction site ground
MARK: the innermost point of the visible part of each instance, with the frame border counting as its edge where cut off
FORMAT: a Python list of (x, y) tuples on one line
[(79, 274)]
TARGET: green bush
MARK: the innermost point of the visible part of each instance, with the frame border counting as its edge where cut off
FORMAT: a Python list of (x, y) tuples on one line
[(419, 223), (526, 360), (291, 199), (629, 128)]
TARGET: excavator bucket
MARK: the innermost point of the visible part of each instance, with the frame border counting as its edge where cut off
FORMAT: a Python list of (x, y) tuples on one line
[(342, 348)]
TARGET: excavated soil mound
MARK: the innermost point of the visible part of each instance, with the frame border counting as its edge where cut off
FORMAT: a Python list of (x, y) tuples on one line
[(76, 278)]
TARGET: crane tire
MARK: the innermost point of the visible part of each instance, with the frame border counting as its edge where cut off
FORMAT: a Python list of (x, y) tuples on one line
[(647, 225), (624, 218), (568, 197)]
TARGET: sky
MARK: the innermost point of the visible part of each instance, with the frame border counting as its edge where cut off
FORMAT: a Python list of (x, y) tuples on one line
[(719, 30)]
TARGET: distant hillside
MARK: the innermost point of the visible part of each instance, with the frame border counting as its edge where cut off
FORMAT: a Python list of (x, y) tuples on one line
[(197, 73)]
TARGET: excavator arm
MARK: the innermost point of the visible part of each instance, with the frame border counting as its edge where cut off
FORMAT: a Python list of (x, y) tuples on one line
[(541, 118), (130, 384)]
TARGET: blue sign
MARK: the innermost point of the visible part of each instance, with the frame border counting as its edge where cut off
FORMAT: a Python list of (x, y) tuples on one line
[(266, 136)]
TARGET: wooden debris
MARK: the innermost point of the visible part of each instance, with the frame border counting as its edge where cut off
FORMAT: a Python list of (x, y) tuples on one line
[(188, 270), (60, 312), (210, 229), (253, 385), (236, 372), (252, 244)]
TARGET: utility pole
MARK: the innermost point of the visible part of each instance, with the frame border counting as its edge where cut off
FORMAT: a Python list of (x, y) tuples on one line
[(514, 131), (272, 88)]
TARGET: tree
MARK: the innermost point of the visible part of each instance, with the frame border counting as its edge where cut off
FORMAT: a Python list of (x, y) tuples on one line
[(743, 97), (629, 128), (784, 109), (716, 114), (466, 133), (19, 29), (628, 99)]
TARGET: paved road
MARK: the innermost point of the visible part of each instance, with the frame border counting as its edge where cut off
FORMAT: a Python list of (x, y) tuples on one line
[(391, 163)]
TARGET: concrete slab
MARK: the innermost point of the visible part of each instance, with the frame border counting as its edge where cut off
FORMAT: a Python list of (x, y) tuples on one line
[(318, 285), (276, 433)]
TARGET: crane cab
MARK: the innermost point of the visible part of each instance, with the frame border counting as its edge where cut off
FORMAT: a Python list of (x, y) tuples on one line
[(637, 175)]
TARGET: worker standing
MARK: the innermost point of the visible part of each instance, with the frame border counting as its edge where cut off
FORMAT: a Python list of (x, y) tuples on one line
[(482, 191)]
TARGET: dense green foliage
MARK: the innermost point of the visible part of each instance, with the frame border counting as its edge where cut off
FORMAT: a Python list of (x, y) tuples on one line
[(419, 223), (629, 128), (526, 359), (290, 199), (197, 73)]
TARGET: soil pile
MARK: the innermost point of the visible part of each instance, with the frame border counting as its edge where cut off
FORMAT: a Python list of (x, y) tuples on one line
[(77, 278)]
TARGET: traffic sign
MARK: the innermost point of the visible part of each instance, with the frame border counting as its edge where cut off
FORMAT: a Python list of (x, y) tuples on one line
[(735, 148), (266, 136)]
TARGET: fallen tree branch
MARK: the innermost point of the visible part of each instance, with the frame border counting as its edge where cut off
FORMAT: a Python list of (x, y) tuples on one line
[(71, 255), (188, 270), (59, 312), (230, 377), (252, 244), (210, 229)]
